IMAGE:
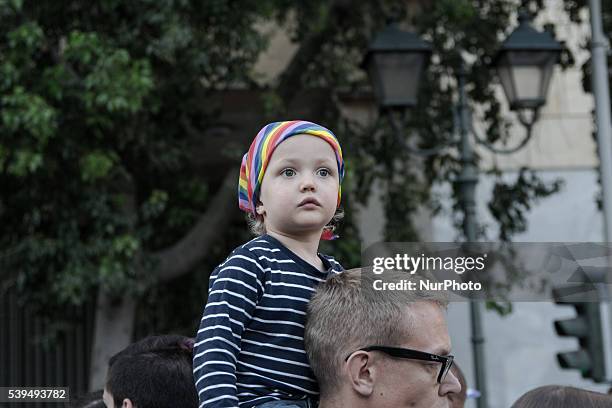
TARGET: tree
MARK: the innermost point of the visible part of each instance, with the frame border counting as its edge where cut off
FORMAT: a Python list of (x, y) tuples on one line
[(99, 106), (102, 104)]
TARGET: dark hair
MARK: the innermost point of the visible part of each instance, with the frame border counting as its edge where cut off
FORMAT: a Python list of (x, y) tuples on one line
[(557, 396), (155, 372), (89, 400)]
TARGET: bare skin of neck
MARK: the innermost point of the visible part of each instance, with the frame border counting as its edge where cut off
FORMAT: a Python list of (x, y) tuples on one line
[(305, 246), (338, 402)]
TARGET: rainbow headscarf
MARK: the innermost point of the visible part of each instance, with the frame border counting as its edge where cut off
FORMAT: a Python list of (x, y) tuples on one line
[(255, 161)]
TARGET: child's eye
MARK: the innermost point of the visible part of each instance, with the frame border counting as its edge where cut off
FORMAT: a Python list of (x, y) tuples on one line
[(323, 172), (288, 172)]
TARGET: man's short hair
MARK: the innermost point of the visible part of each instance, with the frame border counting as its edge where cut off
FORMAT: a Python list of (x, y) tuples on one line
[(155, 372), (347, 313), (558, 396)]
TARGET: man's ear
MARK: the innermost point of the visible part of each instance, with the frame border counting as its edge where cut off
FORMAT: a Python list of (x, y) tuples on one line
[(361, 373), (127, 403)]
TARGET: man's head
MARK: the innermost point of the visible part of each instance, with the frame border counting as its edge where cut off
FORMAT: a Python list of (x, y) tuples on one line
[(346, 315), (155, 372), (290, 178), (558, 396)]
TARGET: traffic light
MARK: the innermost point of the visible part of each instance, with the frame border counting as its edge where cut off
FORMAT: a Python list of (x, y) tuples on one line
[(586, 327)]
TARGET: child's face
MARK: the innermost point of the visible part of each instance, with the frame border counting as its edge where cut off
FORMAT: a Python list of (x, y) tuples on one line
[(299, 191)]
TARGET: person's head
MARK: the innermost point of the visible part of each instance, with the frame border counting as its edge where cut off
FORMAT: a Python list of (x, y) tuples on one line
[(290, 179), (457, 400), (347, 315), (558, 396), (155, 372)]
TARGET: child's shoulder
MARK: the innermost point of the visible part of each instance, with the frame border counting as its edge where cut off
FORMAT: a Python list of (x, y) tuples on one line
[(335, 265), (256, 248)]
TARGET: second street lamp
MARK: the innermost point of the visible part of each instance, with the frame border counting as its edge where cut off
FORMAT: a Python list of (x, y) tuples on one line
[(524, 64)]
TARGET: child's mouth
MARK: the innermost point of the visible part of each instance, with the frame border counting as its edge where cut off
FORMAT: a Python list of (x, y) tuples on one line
[(309, 202)]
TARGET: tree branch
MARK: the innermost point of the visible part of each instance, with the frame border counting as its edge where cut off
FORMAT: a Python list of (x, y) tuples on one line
[(309, 48), (193, 247), (185, 254)]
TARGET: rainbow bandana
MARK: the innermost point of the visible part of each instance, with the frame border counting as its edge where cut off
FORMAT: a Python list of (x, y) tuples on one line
[(255, 161)]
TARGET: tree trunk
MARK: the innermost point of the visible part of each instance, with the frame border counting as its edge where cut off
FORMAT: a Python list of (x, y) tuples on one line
[(114, 326), (112, 333), (194, 246)]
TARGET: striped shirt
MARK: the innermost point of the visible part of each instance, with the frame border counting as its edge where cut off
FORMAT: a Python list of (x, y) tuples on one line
[(250, 348)]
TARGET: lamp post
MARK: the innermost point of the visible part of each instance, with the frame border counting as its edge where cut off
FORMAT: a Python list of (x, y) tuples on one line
[(524, 65)]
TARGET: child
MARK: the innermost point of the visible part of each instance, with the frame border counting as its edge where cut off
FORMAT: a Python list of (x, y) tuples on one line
[(249, 350)]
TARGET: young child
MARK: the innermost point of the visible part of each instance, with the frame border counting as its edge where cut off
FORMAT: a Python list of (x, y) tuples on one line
[(249, 350)]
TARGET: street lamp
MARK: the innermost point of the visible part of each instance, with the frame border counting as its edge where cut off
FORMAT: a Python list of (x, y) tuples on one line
[(393, 56), (524, 64)]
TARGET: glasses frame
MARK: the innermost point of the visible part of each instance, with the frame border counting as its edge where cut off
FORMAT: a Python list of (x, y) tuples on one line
[(447, 361)]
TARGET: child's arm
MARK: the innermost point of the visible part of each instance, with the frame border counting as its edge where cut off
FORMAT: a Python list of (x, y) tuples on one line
[(232, 298)]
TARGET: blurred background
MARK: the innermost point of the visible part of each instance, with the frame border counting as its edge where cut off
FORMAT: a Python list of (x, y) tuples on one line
[(122, 127)]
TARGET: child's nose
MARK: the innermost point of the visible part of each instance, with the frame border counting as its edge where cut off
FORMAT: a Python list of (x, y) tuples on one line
[(307, 184)]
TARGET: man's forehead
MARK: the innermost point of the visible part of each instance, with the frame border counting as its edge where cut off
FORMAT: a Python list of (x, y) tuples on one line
[(426, 328)]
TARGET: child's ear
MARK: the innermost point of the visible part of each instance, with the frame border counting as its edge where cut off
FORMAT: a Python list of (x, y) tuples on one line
[(260, 209)]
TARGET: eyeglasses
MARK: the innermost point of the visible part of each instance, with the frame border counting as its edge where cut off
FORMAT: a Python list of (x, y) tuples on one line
[(446, 361)]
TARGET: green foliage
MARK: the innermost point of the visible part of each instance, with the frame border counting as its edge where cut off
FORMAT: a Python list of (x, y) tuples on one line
[(95, 164), (512, 201), (98, 102)]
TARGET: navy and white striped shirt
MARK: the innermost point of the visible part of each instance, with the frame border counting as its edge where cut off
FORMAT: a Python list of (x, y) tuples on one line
[(250, 347)]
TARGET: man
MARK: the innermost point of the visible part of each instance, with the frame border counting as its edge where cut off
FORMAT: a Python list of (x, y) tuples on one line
[(372, 349), (155, 372)]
